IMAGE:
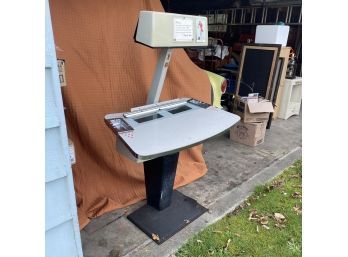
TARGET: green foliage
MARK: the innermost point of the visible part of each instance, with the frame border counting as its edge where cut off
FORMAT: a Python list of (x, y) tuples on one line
[(253, 230)]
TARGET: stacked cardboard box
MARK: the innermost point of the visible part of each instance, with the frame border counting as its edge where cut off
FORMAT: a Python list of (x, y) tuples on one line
[(254, 115)]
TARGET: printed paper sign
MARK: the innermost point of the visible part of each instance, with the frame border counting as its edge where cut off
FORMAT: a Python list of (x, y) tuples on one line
[(183, 30), (71, 152), (201, 27), (61, 72)]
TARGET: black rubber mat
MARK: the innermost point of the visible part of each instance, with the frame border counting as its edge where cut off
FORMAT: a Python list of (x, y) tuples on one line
[(161, 225)]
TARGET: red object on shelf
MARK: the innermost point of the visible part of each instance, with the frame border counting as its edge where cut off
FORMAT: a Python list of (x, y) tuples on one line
[(243, 39)]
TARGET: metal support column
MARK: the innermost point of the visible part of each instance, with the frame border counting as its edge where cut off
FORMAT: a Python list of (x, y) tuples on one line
[(160, 74)]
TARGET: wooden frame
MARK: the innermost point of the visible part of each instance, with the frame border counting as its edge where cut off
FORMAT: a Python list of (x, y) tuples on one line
[(284, 53), (266, 47)]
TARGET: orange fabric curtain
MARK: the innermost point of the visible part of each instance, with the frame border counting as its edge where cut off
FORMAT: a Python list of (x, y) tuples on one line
[(107, 72)]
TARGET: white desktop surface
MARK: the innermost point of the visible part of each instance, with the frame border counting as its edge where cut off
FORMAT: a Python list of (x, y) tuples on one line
[(173, 133)]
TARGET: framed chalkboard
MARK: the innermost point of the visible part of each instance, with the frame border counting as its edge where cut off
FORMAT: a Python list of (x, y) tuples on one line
[(257, 69)]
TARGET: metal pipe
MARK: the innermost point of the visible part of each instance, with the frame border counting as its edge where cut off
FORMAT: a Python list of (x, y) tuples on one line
[(253, 11), (290, 13), (287, 14), (263, 15)]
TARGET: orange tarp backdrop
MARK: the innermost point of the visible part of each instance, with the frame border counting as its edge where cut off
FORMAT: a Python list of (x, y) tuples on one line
[(107, 72)]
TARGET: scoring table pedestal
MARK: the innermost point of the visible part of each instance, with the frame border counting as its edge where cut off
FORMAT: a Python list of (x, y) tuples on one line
[(167, 211)]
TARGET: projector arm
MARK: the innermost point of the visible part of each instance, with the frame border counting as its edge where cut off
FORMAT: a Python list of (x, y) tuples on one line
[(160, 75)]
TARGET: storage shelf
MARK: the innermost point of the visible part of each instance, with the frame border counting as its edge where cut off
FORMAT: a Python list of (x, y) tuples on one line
[(255, 15)]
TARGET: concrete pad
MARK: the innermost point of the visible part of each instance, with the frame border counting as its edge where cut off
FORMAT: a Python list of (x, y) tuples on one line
[(233, 172)]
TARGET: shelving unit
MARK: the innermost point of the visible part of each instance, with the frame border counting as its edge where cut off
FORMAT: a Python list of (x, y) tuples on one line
[(218, 20)]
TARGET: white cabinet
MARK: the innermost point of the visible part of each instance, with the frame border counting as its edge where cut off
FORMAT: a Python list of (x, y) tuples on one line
[(291, 98)]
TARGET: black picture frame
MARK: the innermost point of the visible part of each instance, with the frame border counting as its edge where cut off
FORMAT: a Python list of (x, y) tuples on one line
[(257, 69)]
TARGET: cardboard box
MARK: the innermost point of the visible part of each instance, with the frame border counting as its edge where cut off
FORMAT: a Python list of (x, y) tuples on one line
[(252, 112), (251, 134), (272, 34)]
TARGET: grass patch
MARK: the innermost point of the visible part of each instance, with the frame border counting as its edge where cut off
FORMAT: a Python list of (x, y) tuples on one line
[(268, 223)]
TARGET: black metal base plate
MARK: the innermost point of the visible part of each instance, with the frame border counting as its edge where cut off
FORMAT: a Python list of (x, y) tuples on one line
[(161, 225)]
